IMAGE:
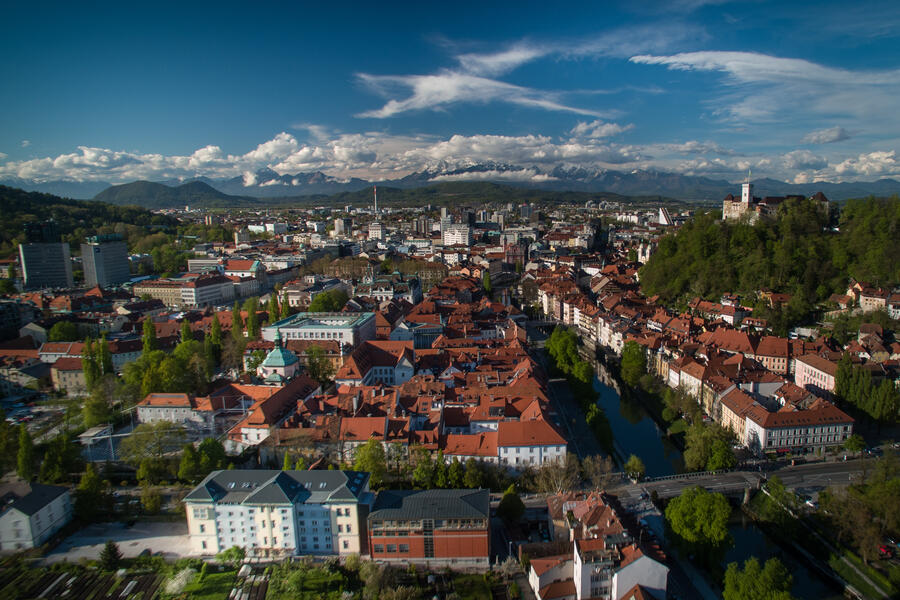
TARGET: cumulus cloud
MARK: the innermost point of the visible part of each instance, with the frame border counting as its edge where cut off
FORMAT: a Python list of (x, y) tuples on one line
[(599, 129), (879, 163), (519, 175), (803, 160), (377, 156), (826, 136), (2, 155), (26, 143)]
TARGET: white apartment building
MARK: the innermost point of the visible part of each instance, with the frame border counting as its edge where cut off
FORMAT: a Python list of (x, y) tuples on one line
[(457, 233), (279, 513), (376, 231), (31, 513)]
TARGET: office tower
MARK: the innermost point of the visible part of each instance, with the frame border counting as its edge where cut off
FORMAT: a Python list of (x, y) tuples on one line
[(443, 213), (525, 211), (105, 259), (45, 265)]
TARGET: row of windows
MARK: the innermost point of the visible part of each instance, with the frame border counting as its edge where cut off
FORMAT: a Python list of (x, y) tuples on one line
[(392, 548)]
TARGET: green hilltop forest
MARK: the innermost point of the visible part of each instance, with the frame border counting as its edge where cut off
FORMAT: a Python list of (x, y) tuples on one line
[(76, 219), (805, 251)]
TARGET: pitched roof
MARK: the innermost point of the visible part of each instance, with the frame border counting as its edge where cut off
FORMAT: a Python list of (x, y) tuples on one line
[(432, 504), (28, 498), (528, 433), (242, 486)]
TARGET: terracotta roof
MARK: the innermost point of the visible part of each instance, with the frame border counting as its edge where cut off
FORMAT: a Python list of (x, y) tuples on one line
[(528, 433), (67, 363)]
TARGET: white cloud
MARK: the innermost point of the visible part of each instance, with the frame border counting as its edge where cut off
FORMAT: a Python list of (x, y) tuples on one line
[(803, 160), (26, 143), (249, 178), (2, 155), (760, 88), (826, 136), (434, 92), (879, 163), (599, 129), (520, 175), (499, 63)]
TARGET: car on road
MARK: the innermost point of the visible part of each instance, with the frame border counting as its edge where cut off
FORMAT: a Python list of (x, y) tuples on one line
[(811, 503), (874, 451), (885, 551)]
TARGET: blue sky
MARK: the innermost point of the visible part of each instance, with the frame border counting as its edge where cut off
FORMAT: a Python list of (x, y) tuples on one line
[(800, 91)]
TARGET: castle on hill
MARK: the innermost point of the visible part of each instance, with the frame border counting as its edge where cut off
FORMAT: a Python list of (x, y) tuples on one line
[(755, 208)]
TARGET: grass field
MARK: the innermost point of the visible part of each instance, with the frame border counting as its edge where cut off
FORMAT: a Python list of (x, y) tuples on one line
[(471, 587)]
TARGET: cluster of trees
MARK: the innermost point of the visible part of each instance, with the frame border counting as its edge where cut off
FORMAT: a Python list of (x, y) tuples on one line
[(422, 469), (698, 521), (863, 513), (76, 219), (197, 463), (853, 385), (330, 301), (771, 581), (562, 346), (708, 447), (633, 364), (796, 253), (152, 449), (63, 331)]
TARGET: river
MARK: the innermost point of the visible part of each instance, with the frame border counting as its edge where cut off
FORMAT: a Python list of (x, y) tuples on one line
[(635, 432)]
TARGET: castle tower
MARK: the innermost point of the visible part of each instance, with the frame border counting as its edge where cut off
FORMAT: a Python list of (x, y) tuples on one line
[(747, 191)]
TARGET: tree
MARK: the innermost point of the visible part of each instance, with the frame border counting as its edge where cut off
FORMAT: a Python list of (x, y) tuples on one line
[(440, 477), (60, 459), (89, 364), (486, 283), (272, 308), (215, 338), (149, 337), (237, 323), (253, 324), (233, 556), (285, 311), (511, 507), (423, 473), (189, 467), (558, 477), (474, 477), (25, 455), (151, 440), (300, 465), (63, 331), (186, 333), (256, 358), (151, 499), (318, 365), (598, 470), (89, 494), (634, 363), (212, 456), (456, 474), (104, 357), (95, 410), (330, 301), (369, 457), (699, 521), (854, 443), (708, 447), (770, 582), (634, 467), (110, 556)]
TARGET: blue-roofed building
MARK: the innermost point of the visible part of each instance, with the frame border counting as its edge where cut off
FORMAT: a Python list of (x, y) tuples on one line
[(279, 365)]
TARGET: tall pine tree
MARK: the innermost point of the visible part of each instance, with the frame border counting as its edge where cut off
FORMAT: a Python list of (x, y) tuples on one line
[(237, 323), (149, 338)]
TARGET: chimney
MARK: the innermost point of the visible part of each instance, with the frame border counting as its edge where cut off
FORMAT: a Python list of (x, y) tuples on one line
[(355, 403)]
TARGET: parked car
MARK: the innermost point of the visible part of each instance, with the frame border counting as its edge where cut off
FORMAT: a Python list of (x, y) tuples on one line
[(885, 551)]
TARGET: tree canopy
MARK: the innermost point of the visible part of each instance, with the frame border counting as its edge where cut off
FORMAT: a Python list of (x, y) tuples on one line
[(370, 457), (330, 301), (699, 521), (771, 581), (634, 363), (796, 253)]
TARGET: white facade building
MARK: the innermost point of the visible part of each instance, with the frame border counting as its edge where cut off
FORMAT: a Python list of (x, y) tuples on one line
[(31, 513), (279, 513)]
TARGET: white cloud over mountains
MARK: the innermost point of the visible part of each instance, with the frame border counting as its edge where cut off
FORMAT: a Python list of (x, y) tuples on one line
[(377, 156)]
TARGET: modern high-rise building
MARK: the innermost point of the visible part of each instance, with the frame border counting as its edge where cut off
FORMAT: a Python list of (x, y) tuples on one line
[(376, 231), (525, 211), (423, 225), (342, 226), (105, 260), (44, 259)]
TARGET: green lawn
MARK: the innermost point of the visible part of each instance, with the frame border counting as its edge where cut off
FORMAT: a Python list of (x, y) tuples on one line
[(215, 586), (471, 587)]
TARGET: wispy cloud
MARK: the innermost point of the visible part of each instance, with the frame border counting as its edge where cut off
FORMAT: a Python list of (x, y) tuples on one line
[(438, 91), (475, 78), (26, 143), (599, 129), (827, 136), (760, 88)]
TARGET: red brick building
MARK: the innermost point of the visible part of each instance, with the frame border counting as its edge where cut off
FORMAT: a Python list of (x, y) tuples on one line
[(431, 527)]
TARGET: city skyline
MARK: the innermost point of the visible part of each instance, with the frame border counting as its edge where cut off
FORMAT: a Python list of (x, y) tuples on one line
[(803, 92)]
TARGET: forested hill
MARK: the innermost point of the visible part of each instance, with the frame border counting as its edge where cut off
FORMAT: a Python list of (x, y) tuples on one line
[(798, 253), (156, 195), (76, 218)]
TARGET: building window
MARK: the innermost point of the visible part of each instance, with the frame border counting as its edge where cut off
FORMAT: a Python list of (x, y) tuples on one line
[(391, 548), (379, 548), (404, 548)]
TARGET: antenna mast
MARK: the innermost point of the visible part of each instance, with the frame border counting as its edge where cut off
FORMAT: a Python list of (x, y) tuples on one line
[(375, 190)]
